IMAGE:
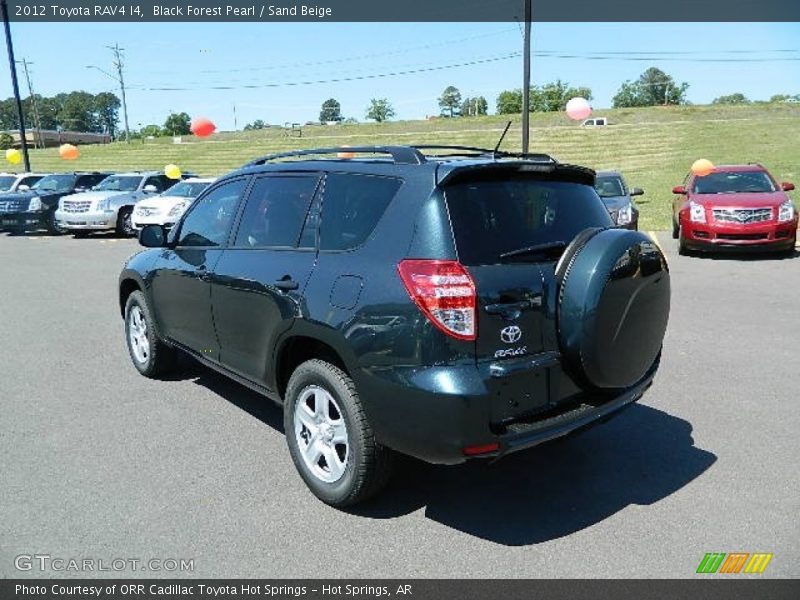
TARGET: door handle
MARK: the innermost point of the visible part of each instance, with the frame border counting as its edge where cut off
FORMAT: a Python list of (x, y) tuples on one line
[(286, 284)]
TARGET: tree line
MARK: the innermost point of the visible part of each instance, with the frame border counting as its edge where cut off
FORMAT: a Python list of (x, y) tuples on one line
[(73, 111)]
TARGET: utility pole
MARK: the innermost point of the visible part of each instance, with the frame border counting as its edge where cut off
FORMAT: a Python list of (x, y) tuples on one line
[(37, 122), (526, 78), (15, 85), (118, 64)]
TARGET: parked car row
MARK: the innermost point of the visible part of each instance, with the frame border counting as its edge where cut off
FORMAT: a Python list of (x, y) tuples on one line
[(82, 202)]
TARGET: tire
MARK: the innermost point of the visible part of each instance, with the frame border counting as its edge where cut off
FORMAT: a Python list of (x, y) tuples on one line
[(52, 226), (125, 223), (321, 407), (675, 229), (613, 309), (683, 250), (148, 353)]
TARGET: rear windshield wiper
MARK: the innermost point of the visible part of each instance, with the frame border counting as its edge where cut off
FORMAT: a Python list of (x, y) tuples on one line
[(543, 248)]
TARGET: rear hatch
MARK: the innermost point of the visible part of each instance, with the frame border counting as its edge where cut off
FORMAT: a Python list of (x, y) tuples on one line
[(511, 223)]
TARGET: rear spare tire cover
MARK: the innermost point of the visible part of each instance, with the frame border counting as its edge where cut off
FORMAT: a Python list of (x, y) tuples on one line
[(613, 307)]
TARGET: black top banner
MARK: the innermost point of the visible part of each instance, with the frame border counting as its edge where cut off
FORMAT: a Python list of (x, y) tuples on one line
[(404, 10)]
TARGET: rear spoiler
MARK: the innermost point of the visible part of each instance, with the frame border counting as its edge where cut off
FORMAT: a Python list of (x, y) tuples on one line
[(454, 173)]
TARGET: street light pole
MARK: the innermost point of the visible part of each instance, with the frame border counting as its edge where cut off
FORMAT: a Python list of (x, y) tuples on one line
[(15, 85), (526, 78), (37, 122)]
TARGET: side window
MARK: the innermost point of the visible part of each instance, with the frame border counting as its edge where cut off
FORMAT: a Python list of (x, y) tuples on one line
[(157, 181), (210, 217), (86, 182), (29, 181), (275, 212), (351, 208)]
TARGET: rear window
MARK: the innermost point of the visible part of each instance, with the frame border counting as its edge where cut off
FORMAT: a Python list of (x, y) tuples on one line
[(496, 216), (351, 208)]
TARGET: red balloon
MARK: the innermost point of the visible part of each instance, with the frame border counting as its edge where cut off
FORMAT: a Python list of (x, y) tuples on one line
[(202, 127)]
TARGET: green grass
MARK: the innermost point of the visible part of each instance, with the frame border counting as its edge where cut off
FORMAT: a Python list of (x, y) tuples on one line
[(653, 147)]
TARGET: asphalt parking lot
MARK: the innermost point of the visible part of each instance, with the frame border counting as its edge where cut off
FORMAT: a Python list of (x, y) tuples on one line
[(100, 462)]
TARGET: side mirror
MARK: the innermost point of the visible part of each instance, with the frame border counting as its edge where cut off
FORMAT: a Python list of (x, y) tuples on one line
[(679, 189), (787, 187), (637, 192), (153, 236), (22, 187), (150, 189)]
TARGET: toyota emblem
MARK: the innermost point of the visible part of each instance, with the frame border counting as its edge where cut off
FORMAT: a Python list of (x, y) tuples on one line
[(510, 334)]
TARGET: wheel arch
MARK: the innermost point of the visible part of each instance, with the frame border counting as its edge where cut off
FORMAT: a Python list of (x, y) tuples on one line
[(129, 282), (297, 348)]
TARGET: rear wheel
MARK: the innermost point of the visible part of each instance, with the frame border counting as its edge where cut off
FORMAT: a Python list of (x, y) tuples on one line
[(330, 439), (149, 355), (125, 222)]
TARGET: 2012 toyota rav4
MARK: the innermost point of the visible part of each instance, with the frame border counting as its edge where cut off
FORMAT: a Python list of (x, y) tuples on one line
[(446, 307)]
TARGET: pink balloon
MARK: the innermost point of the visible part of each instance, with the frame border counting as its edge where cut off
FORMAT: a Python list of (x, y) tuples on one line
[(578, 108)]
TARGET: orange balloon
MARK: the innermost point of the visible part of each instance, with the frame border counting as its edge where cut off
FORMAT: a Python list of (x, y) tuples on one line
[(702, 167), (68, 152), (202, 127)]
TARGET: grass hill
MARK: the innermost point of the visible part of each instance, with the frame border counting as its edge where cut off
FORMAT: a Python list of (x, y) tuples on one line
[(653, 147)]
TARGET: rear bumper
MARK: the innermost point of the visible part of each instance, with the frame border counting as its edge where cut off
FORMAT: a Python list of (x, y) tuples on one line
[(435, 413), (87, 221)]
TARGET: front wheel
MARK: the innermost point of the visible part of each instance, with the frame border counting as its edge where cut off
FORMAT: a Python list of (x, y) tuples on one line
[(675, 229), (125, 222), (330, 439), (149, 355), (683, 249), (53, 228)]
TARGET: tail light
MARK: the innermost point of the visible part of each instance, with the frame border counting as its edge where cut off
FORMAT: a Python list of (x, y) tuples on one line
[(445, 292)]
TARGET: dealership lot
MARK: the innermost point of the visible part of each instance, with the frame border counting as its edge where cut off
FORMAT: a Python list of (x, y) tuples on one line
[(100, 463)]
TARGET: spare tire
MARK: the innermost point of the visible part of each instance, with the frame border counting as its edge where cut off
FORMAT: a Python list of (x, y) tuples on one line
[(613, 307)]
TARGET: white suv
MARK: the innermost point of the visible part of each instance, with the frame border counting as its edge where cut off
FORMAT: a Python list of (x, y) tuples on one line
[(167, 208)]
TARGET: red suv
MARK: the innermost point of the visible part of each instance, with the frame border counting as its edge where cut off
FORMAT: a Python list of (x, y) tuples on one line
[(735, 206)]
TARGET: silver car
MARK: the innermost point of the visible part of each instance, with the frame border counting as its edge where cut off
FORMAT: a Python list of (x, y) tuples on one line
[(110, 203)]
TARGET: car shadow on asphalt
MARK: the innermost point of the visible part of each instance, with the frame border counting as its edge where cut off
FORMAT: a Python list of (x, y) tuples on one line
[(638, 458)]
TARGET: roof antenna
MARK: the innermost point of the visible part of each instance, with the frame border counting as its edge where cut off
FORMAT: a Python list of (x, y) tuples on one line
[(500, 141)]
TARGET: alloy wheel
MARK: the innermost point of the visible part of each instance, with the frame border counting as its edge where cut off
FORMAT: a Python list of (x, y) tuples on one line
[(137, 335), (321, 434)]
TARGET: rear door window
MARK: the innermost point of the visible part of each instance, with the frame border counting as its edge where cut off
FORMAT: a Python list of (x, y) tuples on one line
[(275, 212), (352, 206), (494, 216)]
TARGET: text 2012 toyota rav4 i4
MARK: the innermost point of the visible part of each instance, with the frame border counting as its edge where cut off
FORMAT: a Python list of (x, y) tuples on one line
[(445, 307)]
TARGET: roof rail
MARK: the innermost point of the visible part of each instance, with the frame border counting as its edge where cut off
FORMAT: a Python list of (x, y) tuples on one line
[(405, 155), (473, 151)]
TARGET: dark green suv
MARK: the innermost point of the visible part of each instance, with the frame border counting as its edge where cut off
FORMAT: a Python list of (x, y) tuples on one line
[(448, 306)]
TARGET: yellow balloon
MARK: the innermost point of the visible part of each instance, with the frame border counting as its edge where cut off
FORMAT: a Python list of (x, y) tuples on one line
[(702, 167), (13, 156), (172, 171)]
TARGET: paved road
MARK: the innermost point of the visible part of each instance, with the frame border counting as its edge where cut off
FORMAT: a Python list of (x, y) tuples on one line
[(99, 462)]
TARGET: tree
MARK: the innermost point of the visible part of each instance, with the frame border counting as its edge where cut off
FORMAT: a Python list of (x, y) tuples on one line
[(653, 87), (736, 98), (77, 112), (151, 130), (178, 124), (331, 111), (472, 107), (380, 110), (257, 124), (6, 141), (106, 106), (785, 98), (509, 102), (450, 101)]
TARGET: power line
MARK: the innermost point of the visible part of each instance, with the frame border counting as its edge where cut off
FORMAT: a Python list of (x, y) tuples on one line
[(337, 79)]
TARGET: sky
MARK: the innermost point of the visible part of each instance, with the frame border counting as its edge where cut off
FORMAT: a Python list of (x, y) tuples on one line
[(282, 72)]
